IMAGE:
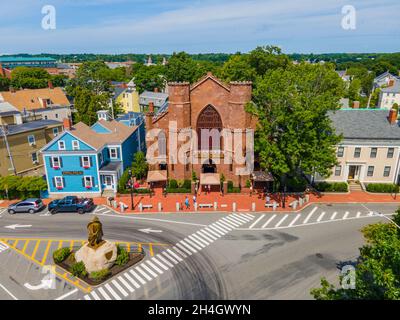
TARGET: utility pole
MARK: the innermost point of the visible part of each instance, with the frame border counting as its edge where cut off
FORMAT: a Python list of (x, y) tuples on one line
[(4, 134)]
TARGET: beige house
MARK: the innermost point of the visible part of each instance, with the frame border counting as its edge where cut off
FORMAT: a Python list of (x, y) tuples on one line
[(20, 145), (370, 149)]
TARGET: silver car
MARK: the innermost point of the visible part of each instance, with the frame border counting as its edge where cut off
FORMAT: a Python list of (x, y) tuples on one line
[(31, 205)]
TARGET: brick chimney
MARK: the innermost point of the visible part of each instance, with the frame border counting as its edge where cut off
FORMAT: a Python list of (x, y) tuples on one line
[(50, 84), (151, 107), (67, 123), (356, 104), (391, 83), (156, 90), (392, 118)]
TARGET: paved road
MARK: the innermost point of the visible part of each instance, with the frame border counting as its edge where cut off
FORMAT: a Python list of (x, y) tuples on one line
[(195, 256)]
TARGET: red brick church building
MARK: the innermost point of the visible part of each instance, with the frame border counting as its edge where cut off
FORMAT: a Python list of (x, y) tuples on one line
[(206, 104)]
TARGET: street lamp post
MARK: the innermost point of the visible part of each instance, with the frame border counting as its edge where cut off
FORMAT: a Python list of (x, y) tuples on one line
[(284, 196), (131, 187)]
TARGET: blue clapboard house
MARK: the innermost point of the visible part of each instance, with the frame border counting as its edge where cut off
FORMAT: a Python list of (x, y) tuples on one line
[(88, 161)]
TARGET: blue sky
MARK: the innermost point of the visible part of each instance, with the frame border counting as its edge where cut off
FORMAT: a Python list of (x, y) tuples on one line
[(165, 26)]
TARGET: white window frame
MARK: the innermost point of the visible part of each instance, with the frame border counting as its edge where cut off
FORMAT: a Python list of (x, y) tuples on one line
[(338, 169), (87, 179), (55, 132), (368, 171), (372, 154), (116, 153), (59, 144), (75, 144), (390, 153), (37, 158), (340, 152), (85, 164), (31, 136), (384, 171), (60, 183), (58, 159), (355, 153)]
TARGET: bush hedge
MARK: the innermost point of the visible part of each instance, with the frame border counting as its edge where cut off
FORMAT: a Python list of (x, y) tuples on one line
[(61, 254), (332, 186), (122, 256), (78, 269), (232, 189), (382, 187), (183, 186), (100, 275), (16, 187)]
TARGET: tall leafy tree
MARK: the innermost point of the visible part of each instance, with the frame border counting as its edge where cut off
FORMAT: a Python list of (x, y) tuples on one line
[(4, 84), (266, 58), (87, 103), (29, 78), (139, 165), (147, 78), (237, 68), (294, 133), (377, 271), (181, 67)]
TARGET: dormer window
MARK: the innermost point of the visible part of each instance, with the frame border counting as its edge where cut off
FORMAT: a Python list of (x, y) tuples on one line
[(75, 145), (113, 153), (31, 140), (61, 145)]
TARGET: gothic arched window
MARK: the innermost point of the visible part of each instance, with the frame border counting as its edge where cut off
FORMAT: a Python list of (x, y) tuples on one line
[(209, 126)]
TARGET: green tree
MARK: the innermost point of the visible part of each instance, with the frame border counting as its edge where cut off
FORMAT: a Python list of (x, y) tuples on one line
[(139, 165), (29, 78), (181, 67), (88, 103), (237, 68), (265, 58), (294, 133), (147, 78), (353, 92), (377, 271), (4, 83)]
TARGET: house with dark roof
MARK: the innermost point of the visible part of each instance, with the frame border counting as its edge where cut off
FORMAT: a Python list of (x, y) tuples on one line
[(389, 95), (89, 160), (370, 148)]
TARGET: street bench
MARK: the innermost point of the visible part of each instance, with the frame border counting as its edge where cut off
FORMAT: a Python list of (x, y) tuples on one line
[(271, 205), (205, 205), (293, 203), (147, 206)]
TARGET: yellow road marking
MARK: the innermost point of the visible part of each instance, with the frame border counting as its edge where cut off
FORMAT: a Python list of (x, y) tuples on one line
[(46, 252), (15, 243), (151, 249), (35, 250), (60, 244), (128, 247), (25, 245), (71, 244)]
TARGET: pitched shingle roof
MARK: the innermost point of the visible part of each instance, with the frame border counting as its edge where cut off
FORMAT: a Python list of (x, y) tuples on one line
[(29, 98), (364, 124), (118, 133)]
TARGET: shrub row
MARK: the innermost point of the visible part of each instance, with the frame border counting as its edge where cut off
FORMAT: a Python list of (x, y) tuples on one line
[(61, 254), (332, 186), (16, 187), (383, 187)]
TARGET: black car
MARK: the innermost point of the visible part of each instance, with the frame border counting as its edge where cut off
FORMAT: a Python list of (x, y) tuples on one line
[(71, 204)]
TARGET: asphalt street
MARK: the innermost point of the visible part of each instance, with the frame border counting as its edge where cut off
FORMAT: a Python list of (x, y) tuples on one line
[(190, 256)]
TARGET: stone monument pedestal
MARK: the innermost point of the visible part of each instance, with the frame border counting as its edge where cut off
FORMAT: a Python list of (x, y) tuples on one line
[(97, 259)]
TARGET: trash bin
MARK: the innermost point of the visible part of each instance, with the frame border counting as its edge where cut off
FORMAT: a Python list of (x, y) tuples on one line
[(110, 200)]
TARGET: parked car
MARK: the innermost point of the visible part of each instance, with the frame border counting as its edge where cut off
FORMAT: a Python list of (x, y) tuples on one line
[(71, 204), (31, 205)]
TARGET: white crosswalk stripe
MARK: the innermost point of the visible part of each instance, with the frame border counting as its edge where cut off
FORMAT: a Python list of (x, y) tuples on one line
[(231, 221), (151, 264), (333, 215), (3, 247), (157, 265), (358, 214), (180, 252), (119, 287), (201, 239), (126, 284), (155, 260), (159, 256), (294, 220), (346, 215), (111, 290), (255, 222), (141, 280), (268, 221), (309, 215), (143, 273), (130, 279), (104, 294), (321, 216), (281, 221), (170, 253)]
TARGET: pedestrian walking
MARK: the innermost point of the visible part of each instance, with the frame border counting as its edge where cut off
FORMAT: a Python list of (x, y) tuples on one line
[(267, 199), (251, 190), (187, 204)]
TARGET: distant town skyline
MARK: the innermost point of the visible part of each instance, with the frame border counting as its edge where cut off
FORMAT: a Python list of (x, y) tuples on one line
[(201, 26)]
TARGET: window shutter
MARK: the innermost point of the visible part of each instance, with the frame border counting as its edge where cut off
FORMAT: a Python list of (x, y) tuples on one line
[(63, 181), (118, 153), (90, 161), (81, 161), (54, 182), (83, 182), (51, 162)]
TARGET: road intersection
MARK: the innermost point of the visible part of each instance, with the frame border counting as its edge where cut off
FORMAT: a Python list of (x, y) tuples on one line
[(190, 256)]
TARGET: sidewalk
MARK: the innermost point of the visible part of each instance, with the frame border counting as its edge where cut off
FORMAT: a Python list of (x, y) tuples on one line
[(225, 203)]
